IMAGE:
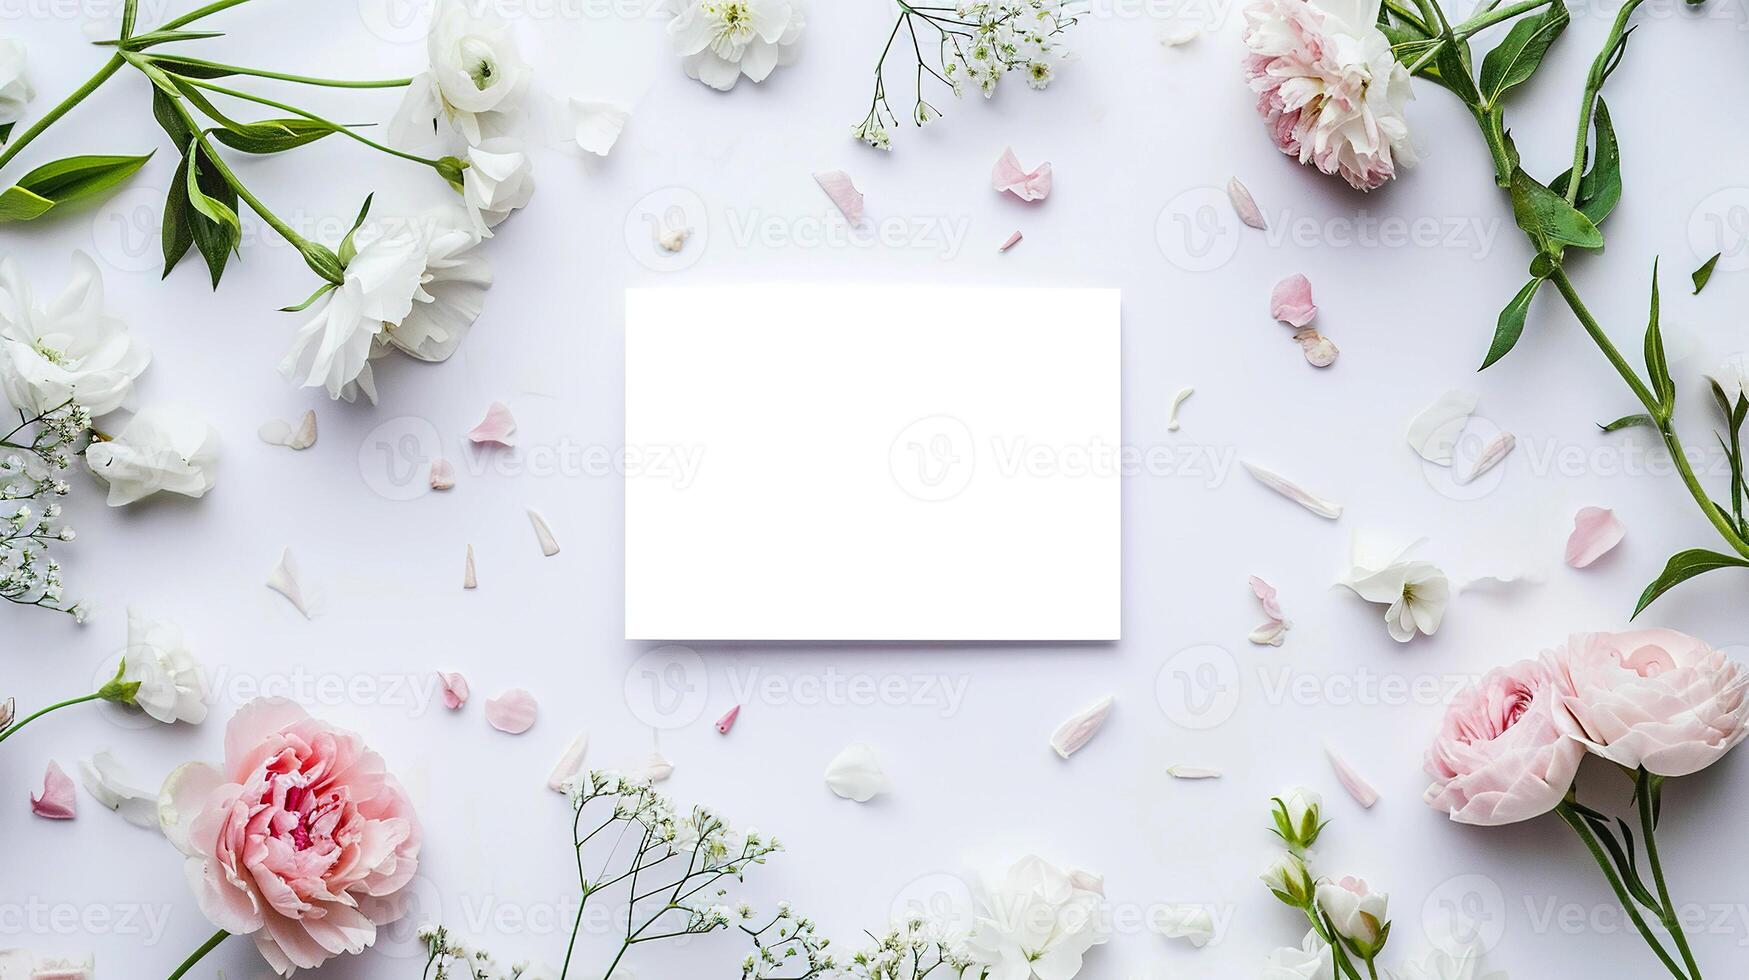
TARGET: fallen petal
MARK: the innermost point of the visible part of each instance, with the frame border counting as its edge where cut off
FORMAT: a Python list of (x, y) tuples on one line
[(1192, 772), (1012, 241), (1271, 634), (442, 474), (1357, 787), (1008, 175), (56, 801), (275, 432), (8, 710), (1184, 34), (498, 426), (455, 689), (1072, 734), (1492, 455), (1191, 923), (304, 436), (839, 187), (1596, 531), (1499, 583), (856, 774), (548, 545), (1320, 351), (656, 768), (1434, 432), (109, 784), (512, 712), (598, 124), (1291, 301), (1266, 597), (1246, 206), (673, 239), (569, 764), (727, 721), (1293, 491), (469, 579), (1177, 400), (284, 580), (1087, 881)]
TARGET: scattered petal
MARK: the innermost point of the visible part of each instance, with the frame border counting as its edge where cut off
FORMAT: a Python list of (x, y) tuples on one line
[(8, 710), (284, 580), (455, 689), (655, 768), (56, 801), (1596, 531), (1177, 400), (498, 426), (598, 124), (727, 721), (1271, 633), (1012, 241), (512, 712), (1291, 301), (1192, 923), (442, 474), (1320, 351), (1087, 881), (1492, 455), (569, 764), (1183, 34), (108, 783), (1498, 583), (1266, 597), (469, 580), (839, 187), (1246, 206), (1293, 491), (1192, 772), (278, 432), (673, 239), (1008, 175), (1072, 734), (548, 545), (1414, 592), (1434, 432), (856, 774), (1357, 787)]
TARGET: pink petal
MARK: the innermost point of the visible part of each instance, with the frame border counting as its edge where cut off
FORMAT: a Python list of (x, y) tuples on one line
[(512, 712), (1028, 186), (1596, 530), (1266, 595), (498, 426), (1291, 302), (1245, 205), (455, 689), (727, 721), (1012, 241), (56, 803), (1357, 787), (839, 187), (442, 474)]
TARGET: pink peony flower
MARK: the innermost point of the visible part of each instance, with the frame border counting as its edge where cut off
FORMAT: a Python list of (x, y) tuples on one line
[(1329, 88), (1501, 756), (302, 840), (1653, 698)]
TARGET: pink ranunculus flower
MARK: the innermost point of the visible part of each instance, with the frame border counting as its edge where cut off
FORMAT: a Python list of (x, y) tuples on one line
[(1653, 698), (1329, 88), (1501, 756), (302, 839)]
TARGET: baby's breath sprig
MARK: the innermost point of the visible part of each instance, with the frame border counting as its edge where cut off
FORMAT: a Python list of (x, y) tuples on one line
[(912, 950), (785, 948), (975, 42), (33, 459)]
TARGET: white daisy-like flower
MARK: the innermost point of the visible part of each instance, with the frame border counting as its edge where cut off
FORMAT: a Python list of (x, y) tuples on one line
[(1415, 592), (718, 41)]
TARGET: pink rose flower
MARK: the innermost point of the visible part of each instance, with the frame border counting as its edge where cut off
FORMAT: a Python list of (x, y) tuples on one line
[(302, 840), (1656, 699), (1501, 756)]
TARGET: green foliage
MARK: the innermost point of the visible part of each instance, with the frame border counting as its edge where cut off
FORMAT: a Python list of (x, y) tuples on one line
[(64, 181)]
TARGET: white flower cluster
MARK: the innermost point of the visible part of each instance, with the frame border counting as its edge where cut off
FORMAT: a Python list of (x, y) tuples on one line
[(787, 947), (452, 959), (716, 844), (37, 453), (912, 951)]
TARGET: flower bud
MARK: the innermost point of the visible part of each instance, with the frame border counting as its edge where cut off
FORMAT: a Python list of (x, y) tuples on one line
[(1290, 880), (1357, 915), (1298, 817)]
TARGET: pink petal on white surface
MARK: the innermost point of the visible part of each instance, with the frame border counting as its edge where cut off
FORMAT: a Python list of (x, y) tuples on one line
[(1266, 597), (1008, 175), (1012, 241), (1291, 301), (1246, 207), (569, 764), (727, 721), (56, 801), (284, 580), (1357, 787), (1596, 531), (498, 426), (1072, 734), (455, 689), (549, 546), (1272, 633), (1320, 350), (1492, 455), (469, 579), (442, 474), (512, 712), (839, 187), (1433, 433), (1192, 772), (1293, 491)]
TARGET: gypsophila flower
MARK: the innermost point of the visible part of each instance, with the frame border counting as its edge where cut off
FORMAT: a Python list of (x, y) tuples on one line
[(39, 449)]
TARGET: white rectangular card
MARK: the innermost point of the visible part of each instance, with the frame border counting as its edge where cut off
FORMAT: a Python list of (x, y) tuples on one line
[(873, 463)]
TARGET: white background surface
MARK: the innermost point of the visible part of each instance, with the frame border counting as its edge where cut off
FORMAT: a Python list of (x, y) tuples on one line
[(1138, 135)]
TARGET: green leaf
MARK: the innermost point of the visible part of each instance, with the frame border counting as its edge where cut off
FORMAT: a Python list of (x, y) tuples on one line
[(213, 204), (205, 105), (348, 250), (273, 135), (140, 42), (1657, 364), (1454, 70), (177, 66), (320, 292), (1628, 422), (1511, 325), (178, 224), (1682, 567), (1704, 274), (170, 120), (1516, 59), (1548, 218), (6, 133), (63, 181)]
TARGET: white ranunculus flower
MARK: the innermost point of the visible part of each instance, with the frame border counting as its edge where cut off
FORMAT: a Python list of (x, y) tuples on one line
[(498, 180), (160, 449), (172, 688), (1313, 960), (720, 40), (15, 90), (476, 79), (66, 349), (1359, 914), (1036, 921)]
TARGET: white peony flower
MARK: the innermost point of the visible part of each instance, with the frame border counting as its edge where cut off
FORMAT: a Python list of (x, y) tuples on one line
[(66, 349), (416, 288), (1037, 921), (476, 80), (1313, 960), (498, 180), (172, 688), (15, 90), (168, 449), (1416, 592), (1329, 88), (720, 40)]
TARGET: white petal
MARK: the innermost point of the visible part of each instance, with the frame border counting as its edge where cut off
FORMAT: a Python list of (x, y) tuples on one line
[(856, 773), (284, 580), (1072, 734), (1293, 491), (1491, 455), (1434, 432), (1172, 413), (598, 124), (549, 546), (108, 783), (569, 764), (1243, 203), (1192, 923), (1192, 772)]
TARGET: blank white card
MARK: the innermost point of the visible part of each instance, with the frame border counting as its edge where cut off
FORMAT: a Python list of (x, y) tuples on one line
[(872, 463)]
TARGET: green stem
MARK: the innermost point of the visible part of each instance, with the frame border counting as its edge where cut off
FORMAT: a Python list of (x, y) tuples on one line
[(8, 733), (281, 76), (109, 68), (236, 183), (1577, 822), (194, 15), (1483, 20), (1594, 83), (1645, 788), (195, 957), (338, 128)]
